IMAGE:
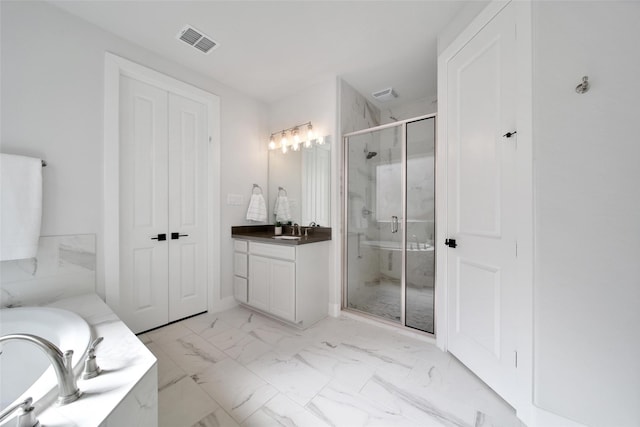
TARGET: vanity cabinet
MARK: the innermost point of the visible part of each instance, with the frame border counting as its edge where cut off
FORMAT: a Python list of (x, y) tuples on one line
[(290, 282), (240, 270)]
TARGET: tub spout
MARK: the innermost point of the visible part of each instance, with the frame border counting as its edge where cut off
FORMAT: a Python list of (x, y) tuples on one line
[(67, 388)]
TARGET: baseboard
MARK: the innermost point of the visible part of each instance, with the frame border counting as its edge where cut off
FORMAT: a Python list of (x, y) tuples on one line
[(223, 304), (334, 310), (538, 417)]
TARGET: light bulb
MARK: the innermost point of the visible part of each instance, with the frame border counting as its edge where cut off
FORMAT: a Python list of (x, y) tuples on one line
[(307, 143), (272, 143), (296, 140), (284, 148), (309, 132), (283, 142), (320, 140)]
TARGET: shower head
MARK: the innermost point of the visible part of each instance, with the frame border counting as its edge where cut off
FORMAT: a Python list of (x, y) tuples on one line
[(371, 154)]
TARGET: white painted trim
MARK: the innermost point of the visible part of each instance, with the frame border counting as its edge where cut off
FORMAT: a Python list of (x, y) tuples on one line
[(524, 405), (335, 293), (115, 67), (334, 310), (223, 304)]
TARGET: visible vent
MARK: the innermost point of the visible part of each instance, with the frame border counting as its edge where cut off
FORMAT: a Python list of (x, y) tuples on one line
[(385, 95), (197, 39)]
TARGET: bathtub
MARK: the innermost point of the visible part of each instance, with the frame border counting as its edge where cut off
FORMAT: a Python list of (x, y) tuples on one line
[(25, 371)]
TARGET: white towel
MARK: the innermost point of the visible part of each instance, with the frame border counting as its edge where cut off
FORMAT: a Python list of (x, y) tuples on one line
[(282, 209), (257, 208), (21, 208)]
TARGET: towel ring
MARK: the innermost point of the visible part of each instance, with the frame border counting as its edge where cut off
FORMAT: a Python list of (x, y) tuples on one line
[(282, 189), (254, 189)]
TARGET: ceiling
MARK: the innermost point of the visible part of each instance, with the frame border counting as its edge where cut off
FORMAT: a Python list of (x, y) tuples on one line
[(273, 49)]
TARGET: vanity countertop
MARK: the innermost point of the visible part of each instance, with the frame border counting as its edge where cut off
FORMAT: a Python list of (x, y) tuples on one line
[(265, 234)]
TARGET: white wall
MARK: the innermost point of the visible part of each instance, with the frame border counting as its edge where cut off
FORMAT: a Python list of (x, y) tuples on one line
[(587, 211), (459, 23), (52, 107), (317, 104)]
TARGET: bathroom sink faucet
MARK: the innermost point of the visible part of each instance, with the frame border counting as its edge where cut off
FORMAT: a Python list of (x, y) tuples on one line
[(293, 230), (67, 388)]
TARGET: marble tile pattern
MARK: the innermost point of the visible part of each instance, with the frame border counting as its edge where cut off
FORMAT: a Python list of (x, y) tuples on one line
[(239, 368), (65, 266)]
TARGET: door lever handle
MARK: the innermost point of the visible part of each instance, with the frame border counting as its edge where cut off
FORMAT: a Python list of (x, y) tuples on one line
[(160, 237), (175, 236)]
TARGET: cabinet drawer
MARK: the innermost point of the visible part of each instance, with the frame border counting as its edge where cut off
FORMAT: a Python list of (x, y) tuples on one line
[(240, 245), (240, 264), (273, 251)]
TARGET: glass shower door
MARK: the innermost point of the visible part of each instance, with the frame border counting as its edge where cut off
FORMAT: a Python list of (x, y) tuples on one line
[(374, 244)]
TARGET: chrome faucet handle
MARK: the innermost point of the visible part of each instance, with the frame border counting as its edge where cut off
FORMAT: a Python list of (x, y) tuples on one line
[(91, 368), (26, 417)]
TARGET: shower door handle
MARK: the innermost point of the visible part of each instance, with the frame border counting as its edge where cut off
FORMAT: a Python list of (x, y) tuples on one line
[(394, 224)]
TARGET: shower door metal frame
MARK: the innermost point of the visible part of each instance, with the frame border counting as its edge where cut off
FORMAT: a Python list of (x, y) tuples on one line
[(345, 213)]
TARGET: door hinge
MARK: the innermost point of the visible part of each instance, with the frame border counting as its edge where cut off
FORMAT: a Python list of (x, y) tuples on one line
[(516, 358), (516, 249)]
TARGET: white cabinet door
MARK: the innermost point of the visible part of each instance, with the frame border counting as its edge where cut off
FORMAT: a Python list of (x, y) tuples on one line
[(240, 289), (143, 205), (187, 226), (259, 275), (482, 298), (282, 289)]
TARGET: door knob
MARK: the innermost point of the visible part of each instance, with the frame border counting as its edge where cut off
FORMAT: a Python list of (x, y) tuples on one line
[(160, 237), (175, 236)]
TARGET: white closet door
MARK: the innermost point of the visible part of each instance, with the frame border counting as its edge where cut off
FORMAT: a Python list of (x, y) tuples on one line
[(482, 300), (143, 205), (187, 207)]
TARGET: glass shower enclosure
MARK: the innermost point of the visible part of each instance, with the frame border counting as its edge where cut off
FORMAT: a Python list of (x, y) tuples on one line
[(389, 222)]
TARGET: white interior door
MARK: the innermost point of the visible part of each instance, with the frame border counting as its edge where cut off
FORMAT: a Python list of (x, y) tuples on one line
[(187, 207), (482, 297), (143, 205)]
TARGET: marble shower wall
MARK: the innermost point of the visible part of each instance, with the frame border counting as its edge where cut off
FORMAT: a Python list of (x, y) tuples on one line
[(65, 266)]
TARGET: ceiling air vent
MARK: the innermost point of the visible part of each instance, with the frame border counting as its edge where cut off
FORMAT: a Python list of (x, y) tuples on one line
[(197, 39), (385, 95)]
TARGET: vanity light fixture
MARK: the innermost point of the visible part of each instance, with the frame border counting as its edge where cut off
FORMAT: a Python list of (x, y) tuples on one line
[(296, 140)]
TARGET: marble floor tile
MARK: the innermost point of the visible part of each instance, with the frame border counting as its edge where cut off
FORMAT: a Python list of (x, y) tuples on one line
[(193, 353), (292, 377), (243, 368), (206, 325), (168, 333), (238, 390), (281, 411), (217, 418), (240, 345), (338, 406), (183, 404), (168, 372), (325, 358)]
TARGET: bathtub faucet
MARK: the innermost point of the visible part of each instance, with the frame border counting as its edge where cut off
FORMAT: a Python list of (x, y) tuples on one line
[(67, 388)]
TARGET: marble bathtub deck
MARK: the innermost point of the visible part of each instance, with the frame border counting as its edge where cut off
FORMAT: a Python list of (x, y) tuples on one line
[(238, 368)]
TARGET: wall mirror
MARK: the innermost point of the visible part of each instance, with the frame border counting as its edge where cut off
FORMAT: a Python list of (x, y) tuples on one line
[(303, 177)]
